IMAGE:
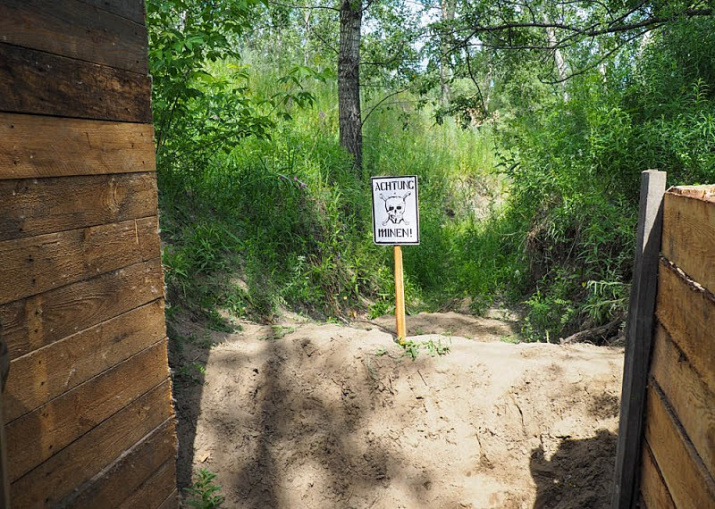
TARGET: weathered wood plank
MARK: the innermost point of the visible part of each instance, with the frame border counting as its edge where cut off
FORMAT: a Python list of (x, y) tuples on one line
[(639, 338), (64, 419), (74, 29), (55, 479), (688, 314), (147, 229), (4, 481), (691, 400), (38, 146), (40, 320), (38, 264), (705, 193), (155, 490), (130, 9), (171, 502), (37, 206), (146, 475), (36, 82), (689, 233), (655, 493), (49, 372), (686, 478)]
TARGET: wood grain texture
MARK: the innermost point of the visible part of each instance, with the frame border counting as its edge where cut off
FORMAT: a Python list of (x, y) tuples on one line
[(171, 502), (38, 264), (655, 493), (155, 490), (142, 477), (55, 479), (38, 146), (38, 206), (147, 229), (74, 29), (688, 314), (691, 400), (705, 193), (49, 372), (689, 233), (639, 338), (130, 9), (38, 435), (42, 319), (688, 482), (43, 84)]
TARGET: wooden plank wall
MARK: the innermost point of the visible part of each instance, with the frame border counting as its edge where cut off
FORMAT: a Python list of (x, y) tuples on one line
[(87, 409), (678, 454)]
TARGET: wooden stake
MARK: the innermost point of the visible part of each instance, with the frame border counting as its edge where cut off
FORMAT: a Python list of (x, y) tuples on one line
[(399, 296), (639, 338)]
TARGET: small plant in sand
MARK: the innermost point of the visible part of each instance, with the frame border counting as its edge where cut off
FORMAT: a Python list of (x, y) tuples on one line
[(192, 373), (280, 331), (204, 493), (436, 348), (412, 348)]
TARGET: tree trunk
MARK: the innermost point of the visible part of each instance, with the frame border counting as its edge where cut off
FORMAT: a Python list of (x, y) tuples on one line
[(349, 80), (559, 59), (447, 11)]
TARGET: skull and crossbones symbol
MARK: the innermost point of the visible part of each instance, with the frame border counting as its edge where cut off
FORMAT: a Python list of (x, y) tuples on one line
[(395, 208)]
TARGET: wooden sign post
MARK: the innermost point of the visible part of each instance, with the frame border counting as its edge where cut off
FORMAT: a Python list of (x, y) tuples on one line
[(399, 296), (396, 222)]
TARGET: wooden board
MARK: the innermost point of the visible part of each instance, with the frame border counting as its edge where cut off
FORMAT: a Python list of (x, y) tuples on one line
[(68, 417), (705, 193), (171, 502), (42, 319), (687, 481), (691, 400), (55, 479), (155, 490), (48, 372), (689, 233), (36, 82), (688, 314), (655, 493), (38, 206), (130, 9), (74, 29), (38, 146), (38, 264), (151, 463)]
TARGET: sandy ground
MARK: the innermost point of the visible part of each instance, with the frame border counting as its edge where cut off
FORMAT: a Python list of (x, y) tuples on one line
[(305, 415)]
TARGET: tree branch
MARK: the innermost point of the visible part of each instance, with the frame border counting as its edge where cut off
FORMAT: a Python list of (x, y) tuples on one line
[(593, 30), (479, 89), (310, 7), (380, 102), (602, 59)]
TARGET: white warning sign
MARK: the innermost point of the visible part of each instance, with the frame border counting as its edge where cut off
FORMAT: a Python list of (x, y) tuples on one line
[(395, 211)]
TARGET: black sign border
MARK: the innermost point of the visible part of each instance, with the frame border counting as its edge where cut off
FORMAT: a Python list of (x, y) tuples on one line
[(372, 211)]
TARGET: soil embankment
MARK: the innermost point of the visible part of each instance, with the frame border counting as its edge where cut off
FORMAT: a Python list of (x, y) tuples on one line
[(324, 416)]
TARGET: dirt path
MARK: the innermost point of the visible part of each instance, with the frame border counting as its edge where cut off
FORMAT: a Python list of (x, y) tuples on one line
[(324, 416)]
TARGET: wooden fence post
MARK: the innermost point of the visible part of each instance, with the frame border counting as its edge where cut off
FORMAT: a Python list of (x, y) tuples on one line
[(4, 476), (639, 338)]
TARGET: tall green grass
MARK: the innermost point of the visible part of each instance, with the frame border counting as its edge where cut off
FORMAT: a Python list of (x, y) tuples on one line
[(286, 221)]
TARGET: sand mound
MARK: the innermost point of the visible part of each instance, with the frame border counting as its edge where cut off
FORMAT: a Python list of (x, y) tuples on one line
[(323, 416)]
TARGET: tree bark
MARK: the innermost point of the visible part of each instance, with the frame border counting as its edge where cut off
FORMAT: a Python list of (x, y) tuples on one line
[(349, 80), (447, 11)]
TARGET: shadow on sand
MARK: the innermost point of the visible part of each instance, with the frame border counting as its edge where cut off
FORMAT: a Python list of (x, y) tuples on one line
[(578, 475)]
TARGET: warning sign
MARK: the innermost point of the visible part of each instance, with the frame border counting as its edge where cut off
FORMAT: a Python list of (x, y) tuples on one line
[(395, 214)]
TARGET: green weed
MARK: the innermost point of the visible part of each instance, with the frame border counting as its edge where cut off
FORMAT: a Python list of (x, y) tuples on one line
[(412, 348), (205, 494), (280, 331)]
